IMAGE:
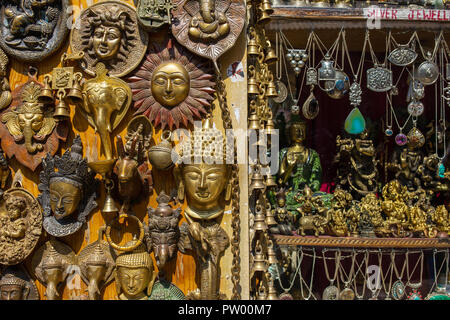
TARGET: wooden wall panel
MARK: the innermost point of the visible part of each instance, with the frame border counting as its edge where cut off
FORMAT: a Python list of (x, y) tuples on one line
[(181, 270)]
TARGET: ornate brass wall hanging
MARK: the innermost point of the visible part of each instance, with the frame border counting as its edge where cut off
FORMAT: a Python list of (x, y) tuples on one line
[(208, 27), (5, 90), (68, 191), (96, 262), (134, 178), (50, 265), (105, 102), (28, 130), (20, 224), (109, 33), (16, 284), (153, 14), (172, 87), (134, 274), (33, 30), (163, 231)]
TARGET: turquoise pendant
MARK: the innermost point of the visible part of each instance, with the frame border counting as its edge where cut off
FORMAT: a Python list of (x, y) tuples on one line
[(355, 123), (441, 170)]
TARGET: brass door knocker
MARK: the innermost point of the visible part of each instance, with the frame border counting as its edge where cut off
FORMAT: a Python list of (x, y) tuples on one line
[(137, 242)]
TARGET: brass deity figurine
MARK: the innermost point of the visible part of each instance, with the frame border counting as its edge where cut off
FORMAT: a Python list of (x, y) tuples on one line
[(357, 166), (340, 204), (134, 274), (16, 284), (172, 87), (206, 185), (109, 33), (28, 130), (96, 262), (394, 206), (405, 163), (284, 219), (299, 165), (208, 24), (20, 225), (5, 90), (33, 29), (68, 191), (163, 231), (50, 264), (105, 102), (153, 14), (441, 219)]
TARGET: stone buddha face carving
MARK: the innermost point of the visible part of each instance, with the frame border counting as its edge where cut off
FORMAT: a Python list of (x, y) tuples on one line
[(134, 273), (170, 84)]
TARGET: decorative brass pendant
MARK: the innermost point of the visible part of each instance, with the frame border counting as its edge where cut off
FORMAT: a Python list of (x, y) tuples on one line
[(109, 33), (153, 14), (20, 225), (67, 187), (96, 262), (105, 102), (172, 87), (16, 284), (33, 30), (163, 230), (5, 90), (208, 27), (50, 265), (28, 130)]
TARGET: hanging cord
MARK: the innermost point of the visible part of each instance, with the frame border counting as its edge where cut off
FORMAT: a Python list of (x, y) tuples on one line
[(302, 281), (410, 275), (436, 275), (365, 263), (390, 272)]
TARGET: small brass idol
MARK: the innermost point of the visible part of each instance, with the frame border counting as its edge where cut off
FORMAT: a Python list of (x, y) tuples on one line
[(134, 274), (16, 284), (172, 87), (105, 102), (20, 225), (68, 191), (28, 130), (153, 14), (109, 33), (96, 262), (50, 264)]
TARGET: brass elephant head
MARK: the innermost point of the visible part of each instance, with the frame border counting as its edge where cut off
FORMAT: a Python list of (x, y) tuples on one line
[(29, 121)]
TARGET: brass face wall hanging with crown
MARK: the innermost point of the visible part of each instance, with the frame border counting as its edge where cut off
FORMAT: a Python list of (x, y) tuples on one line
[(28, 130), (16, 284), (172, 87), (109, 33), (33, 30), (68, 191), (20, 224)]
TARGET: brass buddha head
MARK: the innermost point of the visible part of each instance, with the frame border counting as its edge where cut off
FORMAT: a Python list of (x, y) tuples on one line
[(206, 181), (134, 273), (13, 288), (297, 132), (67, 185)]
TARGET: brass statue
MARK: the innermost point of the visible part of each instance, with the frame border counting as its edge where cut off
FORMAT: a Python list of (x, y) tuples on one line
[(109, 33), (441, 219), (68, 191), (28, 130), (371, 205), (134, 274), (5, 90), (405, 163), (133, 175), (33, 29), (20, 225), (16, 284), (172, 87), (214, 25), (105, 102), (314, 214), (206, 185), (299, 165), (341, 203), (50, 264), (284, 219), (394, 206), (357, 167), (153, 14), (96, 262), (429, 175), (163, 231)]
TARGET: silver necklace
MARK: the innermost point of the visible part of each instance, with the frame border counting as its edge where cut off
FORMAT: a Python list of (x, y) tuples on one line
[(400, 139), (331, 292), (410, 275), (365, 263), (390, 272), (428, 71), (439, 290), (398, 288), (404, 54), (347, 293), (286, 295), (379, 78), (310, 287), (280, 86), (376, 287), (440, 130)]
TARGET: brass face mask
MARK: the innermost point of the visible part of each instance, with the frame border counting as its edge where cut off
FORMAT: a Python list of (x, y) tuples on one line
[(16, 284), (64, 198), (170, 84), (106, 42)]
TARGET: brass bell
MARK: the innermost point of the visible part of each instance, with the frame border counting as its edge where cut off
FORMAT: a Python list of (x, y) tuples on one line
[(110, 205), (252, 48), (46, 95), (254, 122), (62, 111), (75, 96), (270, 127), (264, 18), (259, 263), (271, 56), (257, 182), (252, 87), (272, 295), (271, 182), (259, 221), (271, 90), (267, 6), (271, 255), (270, 219)]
